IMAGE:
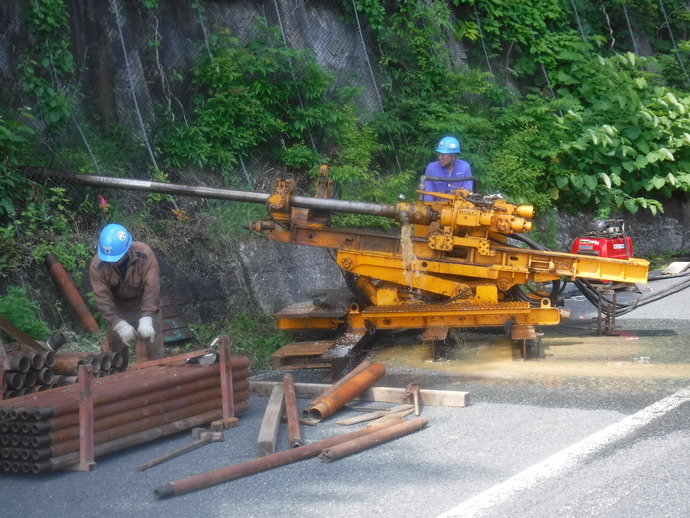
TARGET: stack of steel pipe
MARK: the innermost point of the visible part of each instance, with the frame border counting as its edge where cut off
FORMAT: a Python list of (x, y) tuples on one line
[(66, 367), (29, 372), (40, 432)]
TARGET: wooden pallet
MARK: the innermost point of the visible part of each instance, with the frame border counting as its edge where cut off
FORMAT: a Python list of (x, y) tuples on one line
[(302, 355)]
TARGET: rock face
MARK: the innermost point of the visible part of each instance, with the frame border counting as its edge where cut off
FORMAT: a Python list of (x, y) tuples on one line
[(258, 275)]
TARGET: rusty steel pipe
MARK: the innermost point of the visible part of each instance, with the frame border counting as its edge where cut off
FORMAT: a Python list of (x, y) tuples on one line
[(69, 290), (380, 436), (294, 432), (14, 380), (118, 407), (19, 361), (135, 439), (136, 414), (347, 377), (137, 426), (48, 358), (211, 478), (125, 385), (45, 376), (329, 404), (67, 403)]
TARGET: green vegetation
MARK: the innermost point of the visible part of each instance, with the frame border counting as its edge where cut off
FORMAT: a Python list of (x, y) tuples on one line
[(23, 312), (255, 336)]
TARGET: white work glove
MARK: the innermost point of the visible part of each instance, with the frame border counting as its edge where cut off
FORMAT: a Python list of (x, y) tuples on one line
[(145, 330), (126, 332)]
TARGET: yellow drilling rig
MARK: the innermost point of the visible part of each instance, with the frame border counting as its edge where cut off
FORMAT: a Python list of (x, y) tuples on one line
[(454, 263)]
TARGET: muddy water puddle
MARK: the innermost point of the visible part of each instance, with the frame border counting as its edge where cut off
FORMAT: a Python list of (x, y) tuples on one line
[(640, 360)]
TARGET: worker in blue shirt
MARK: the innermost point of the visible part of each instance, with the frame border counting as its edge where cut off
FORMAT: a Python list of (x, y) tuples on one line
[(438, 175)]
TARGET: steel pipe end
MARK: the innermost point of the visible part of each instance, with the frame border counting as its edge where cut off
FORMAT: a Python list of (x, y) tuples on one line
[(315, 414), (166, 491)]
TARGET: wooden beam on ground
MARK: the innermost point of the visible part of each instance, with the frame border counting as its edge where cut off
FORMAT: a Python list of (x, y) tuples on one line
[(268, 434), (373, 415), (452, 398)]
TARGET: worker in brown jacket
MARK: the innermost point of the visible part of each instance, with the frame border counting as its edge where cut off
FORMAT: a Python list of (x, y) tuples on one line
[(126, 287)]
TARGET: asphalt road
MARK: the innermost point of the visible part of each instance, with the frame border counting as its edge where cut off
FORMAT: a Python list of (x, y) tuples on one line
[(597, 426)]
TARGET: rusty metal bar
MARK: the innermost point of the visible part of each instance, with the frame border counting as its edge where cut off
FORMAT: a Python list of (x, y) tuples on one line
[(125, 385), (380, 436), (86, 431), (329, 404), (137, 414), (226, 378), (145, 400), (69, 290), (294, 431), (135, 439), (211, 478)]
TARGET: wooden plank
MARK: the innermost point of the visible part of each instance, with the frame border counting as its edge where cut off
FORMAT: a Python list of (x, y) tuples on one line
[(373, 415), (675, 268), (268, 433), (451, 398), (305, 355)]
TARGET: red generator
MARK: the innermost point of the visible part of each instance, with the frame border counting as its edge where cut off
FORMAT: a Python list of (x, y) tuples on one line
[(606, 239)]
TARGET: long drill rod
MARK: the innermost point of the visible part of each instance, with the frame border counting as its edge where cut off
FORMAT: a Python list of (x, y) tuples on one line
[(307, 202)]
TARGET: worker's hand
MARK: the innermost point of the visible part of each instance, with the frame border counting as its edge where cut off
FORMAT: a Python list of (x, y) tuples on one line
[(126, 332), (145, 330)]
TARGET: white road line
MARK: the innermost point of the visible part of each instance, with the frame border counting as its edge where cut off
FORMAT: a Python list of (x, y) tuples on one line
[(565, 459)]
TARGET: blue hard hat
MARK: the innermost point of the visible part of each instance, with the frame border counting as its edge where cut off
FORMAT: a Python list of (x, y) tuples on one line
[(448, 145), (113, 243)]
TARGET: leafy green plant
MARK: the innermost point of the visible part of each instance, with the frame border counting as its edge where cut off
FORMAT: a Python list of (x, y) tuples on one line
[(14, 138), (49, 64), (614, 137), (253, 97), (23, 312)]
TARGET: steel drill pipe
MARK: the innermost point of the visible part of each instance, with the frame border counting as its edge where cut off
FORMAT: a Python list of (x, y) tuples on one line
[(136, 426), (48, 358), (111, 434), (145, 400), (70, 459), (44, 376), (137, 414), (294, 431), (66, 401), (218, 476), (68, 363), (135, 439), (19, 362), (69, 290), (124, 385), (35, 359), (307, 202), (15, 380), (66, 427), (347, 377), (329, 404), (30, 378), (387, 434), (65, 433)]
